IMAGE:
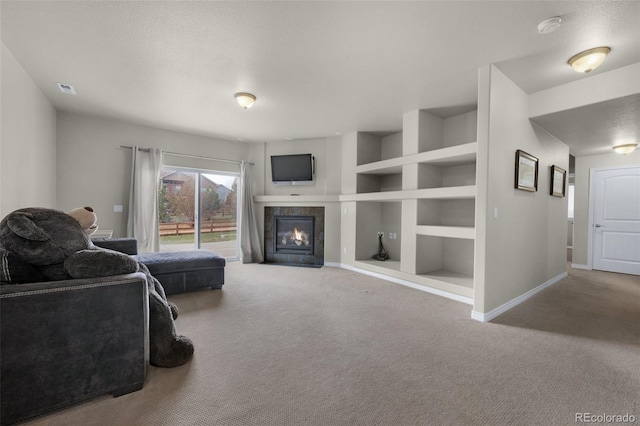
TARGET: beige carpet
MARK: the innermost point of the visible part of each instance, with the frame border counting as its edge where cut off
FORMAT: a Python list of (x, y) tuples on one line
[(297, 346)]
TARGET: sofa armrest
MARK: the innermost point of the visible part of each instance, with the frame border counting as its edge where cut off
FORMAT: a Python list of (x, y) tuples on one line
[(123, 245), (68, 341)]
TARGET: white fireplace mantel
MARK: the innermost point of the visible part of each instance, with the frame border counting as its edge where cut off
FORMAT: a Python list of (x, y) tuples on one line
[(307, 199)]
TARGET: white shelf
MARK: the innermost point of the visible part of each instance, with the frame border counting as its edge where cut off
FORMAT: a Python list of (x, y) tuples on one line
[(427, 196), (453, 282), (452, 192), (296, 198), (379, 265), (448, 281), (459, 154), (465, 232), (384, 167)]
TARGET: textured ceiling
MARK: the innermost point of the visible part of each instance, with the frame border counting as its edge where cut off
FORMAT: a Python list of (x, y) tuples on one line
[(317, 68), (616, 122)]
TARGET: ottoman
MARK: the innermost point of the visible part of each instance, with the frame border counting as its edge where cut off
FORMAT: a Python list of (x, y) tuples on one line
[(177, 271), (182, 271)]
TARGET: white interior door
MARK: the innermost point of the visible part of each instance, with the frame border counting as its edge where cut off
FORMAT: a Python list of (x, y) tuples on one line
[(616, 220)]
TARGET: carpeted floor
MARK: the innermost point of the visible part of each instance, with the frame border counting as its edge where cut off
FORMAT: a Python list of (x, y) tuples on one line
[(302, 346)]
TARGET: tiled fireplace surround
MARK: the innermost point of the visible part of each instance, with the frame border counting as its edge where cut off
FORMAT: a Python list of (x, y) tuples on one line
[(316, 259)]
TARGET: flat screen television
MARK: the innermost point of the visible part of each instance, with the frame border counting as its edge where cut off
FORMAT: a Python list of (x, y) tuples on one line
[(293, 169)]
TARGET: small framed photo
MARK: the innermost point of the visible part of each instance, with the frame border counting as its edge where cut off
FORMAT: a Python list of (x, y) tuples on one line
[(526, 171), (558, 181)]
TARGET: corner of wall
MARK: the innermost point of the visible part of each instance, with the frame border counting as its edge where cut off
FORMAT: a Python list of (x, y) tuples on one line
[(524, 232), (28, 150)]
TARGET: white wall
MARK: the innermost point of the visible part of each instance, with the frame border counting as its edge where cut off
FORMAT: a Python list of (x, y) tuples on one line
[(93, 170), (27, 141), (581, 212), (525, 246)]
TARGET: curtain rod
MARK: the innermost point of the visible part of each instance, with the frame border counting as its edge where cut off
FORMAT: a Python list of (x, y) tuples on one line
[(177, 154)]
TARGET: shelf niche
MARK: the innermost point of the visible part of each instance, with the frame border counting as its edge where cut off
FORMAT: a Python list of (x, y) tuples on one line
[(445, 259), (424, 131), (367, 183), (431, 176), (447, 212), (373, 147), (374, 217)]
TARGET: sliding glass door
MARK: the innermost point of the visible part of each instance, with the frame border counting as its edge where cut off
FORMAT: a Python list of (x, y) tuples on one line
[(198, 209)]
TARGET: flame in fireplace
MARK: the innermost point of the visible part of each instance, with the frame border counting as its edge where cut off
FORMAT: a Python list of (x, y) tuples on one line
[(296, 236)]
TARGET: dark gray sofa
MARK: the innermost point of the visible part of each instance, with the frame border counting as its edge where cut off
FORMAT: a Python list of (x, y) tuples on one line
[(177, 271), (64, 342)]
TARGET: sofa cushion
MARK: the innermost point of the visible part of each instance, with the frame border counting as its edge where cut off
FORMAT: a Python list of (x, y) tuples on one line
[(180, 261), (183, 271)]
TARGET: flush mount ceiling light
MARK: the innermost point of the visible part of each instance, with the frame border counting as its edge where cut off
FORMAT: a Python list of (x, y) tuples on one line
[(589, 60), (625, 149), (245, 100), (549, 25)]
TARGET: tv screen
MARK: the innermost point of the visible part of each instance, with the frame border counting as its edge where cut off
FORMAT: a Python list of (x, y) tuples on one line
[(295, 169)]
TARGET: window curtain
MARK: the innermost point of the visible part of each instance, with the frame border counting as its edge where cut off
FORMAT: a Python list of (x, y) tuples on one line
[(143, 221), (250, 248)]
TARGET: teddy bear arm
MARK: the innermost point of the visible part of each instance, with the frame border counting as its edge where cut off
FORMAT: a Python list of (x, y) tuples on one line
[(99, 263)]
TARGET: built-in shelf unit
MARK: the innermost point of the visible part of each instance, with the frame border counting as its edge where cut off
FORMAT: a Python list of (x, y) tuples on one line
[(418, 187)]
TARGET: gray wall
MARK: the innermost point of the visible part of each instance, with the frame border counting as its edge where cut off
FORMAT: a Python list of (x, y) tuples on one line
[(27, 142), (525, 246), (93, 170)]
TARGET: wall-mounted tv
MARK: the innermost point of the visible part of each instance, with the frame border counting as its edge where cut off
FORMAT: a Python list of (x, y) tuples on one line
[(294, 169)]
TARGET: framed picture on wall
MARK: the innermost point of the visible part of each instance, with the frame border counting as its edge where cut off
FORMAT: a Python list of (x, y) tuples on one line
[(526, 171), (558, 181)]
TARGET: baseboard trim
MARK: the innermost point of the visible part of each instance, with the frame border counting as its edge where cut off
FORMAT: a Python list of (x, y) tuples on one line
[(579, 266), (482, 317), (437, 292), (332, 264)]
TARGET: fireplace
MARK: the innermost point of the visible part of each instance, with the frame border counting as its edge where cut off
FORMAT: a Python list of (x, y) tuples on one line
[(294, 235)]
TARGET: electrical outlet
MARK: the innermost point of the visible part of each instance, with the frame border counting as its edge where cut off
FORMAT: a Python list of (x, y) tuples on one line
[(380, 234), (344, 249)]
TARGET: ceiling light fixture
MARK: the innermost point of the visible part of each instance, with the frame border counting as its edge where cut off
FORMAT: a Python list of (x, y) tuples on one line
[(549, 25), (625, 149), (589, 60), (245, 100)]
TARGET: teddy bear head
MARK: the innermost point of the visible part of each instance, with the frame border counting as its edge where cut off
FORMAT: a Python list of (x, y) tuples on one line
[(42, 236), (86, 218)]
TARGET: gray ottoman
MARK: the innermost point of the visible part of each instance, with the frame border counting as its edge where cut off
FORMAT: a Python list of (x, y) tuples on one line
[(183, 271)]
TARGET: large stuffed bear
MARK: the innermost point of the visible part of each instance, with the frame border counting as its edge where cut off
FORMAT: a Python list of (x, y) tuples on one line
[(39, 244)]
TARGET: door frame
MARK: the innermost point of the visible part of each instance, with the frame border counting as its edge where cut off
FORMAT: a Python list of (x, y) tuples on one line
[(198, 199), (592, 207)]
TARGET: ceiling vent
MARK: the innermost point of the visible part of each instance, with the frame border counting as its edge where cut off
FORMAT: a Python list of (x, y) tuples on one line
[(66, 88)]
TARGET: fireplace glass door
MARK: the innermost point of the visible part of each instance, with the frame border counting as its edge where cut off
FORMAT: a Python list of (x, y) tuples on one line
[(293, 234)]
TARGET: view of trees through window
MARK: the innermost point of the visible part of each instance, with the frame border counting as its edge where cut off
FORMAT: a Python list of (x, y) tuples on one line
[(198, 209)]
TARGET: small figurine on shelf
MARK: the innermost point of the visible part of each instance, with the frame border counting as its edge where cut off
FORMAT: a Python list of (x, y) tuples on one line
[(382, 252)]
